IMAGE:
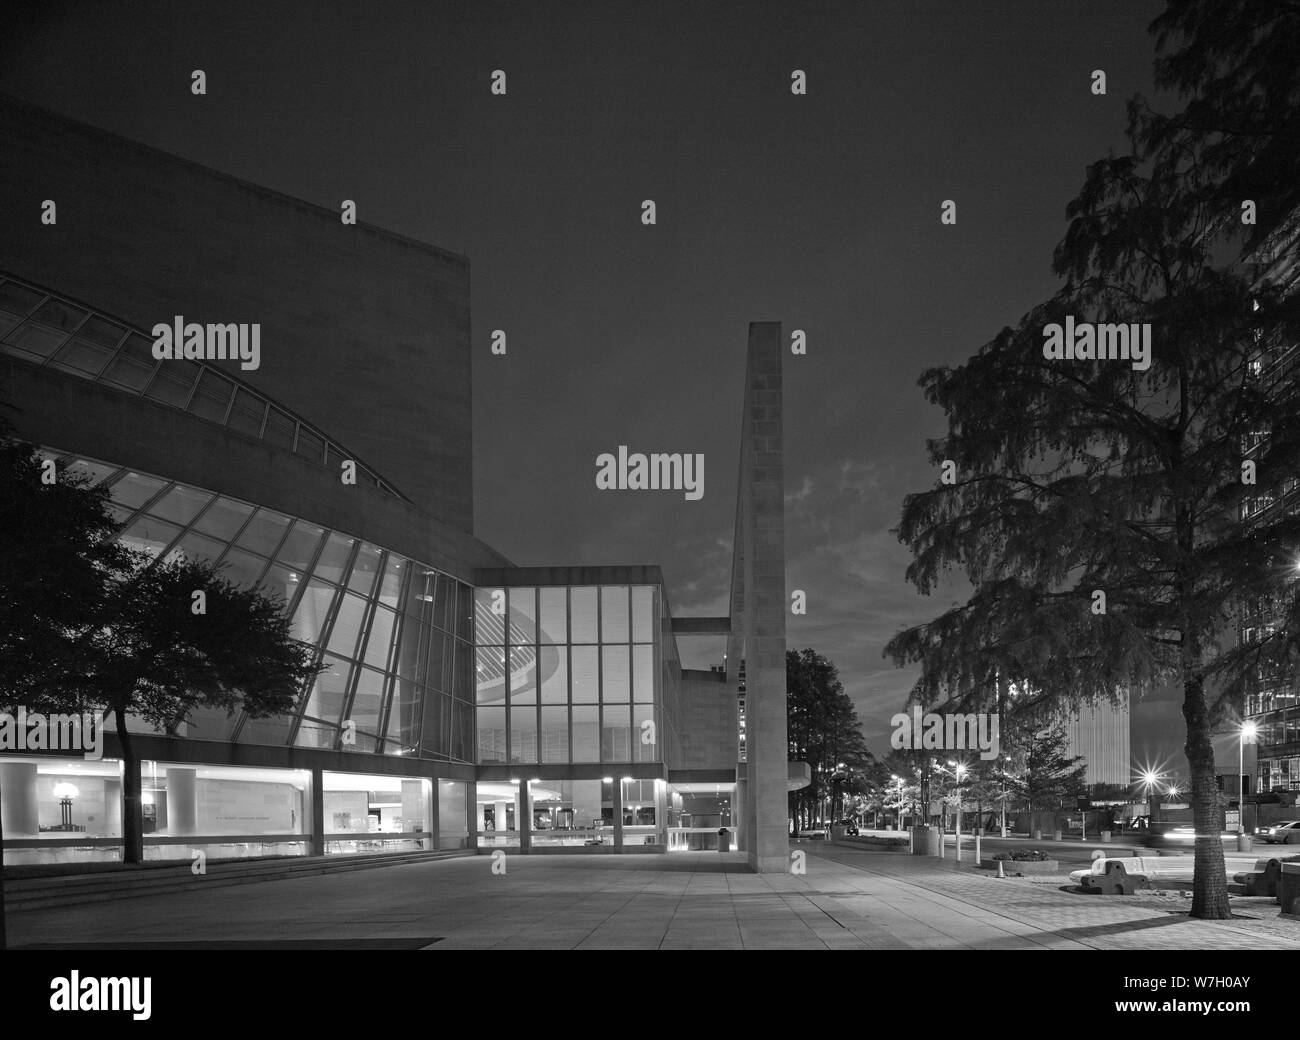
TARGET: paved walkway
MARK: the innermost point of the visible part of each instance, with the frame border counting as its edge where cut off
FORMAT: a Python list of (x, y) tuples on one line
[(848, 899)]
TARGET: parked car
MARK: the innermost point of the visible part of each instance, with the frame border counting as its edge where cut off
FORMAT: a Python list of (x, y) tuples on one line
[(1285, 833), (849, 827)]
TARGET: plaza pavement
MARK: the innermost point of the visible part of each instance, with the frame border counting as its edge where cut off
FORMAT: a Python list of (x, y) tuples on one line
[(850, 898)]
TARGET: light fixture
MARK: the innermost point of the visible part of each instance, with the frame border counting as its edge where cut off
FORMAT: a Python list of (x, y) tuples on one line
[(606, 779), (65, 790)]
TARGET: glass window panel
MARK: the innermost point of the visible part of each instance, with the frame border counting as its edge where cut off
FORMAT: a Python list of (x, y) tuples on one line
[(300, 546), (554, 736), (212, 398), (150, 535), (435, 734), (462, 684), (310, 444), (462, 736), (172, 383), (364, 570), (273, 730), (18, 299), (523, 675), (491, 734), (59, 315), (242, 568), (489, 616), (444, 604), (401, 732), (584, 665), (523, 616), (223, 518), (135, 489), (334, 557), (133, 367), (582, 614), (312, 610), (554, 669), (264, 532), (280, 428), (439, 664), (490, 686), (316, 734), (645, 733), (83, 357), (554, 615), (200, 547), (326, 699), (247, 412), (95, 472), (613, 614), (616, 734), (643, 601), (36, 340), (391, 586), (615, 686), (586, 733), (523, 734), (368, 700), (104, 333), (381, 637), (181, 504), (7, 322), (347, 626), (464, 612), (643, 672), (279, 584)]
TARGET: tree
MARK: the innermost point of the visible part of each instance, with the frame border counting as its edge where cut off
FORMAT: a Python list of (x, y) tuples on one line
[(823, 730), (1050, 776), (139, 637), (1096, 512)]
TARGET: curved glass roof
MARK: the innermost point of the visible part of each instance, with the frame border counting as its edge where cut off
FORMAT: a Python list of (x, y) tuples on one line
[(49, 330)]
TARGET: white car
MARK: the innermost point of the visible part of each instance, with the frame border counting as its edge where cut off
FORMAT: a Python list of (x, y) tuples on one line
[(1285, 833)]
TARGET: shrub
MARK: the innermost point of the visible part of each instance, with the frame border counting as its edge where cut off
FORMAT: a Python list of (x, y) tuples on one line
[(1024, 856)]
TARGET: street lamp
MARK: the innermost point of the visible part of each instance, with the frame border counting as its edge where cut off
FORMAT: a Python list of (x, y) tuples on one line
[(1249, 733)]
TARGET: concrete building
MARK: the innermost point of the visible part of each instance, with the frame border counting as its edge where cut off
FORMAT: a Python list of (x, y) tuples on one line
[(466, 703)]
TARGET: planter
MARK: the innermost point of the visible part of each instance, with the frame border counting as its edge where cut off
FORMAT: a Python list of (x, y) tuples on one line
[(1030, 868), (1056, 835), (1105, 837), (926, 841), (1038, 834)]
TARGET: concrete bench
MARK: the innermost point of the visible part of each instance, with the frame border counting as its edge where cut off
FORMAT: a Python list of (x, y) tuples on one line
[(1263, 880)]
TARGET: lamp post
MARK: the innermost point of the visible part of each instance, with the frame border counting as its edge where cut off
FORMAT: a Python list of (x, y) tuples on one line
[(1249, 732)]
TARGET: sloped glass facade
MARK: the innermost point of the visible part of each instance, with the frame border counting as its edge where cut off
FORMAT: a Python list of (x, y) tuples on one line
[(394, 633)]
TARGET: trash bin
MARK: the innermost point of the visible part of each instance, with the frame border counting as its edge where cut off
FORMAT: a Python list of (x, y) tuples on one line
[(1243, 842), (724, 840)]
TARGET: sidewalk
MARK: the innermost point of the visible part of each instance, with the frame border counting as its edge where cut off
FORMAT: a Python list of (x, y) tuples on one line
[(848, 899), (1141, 922)]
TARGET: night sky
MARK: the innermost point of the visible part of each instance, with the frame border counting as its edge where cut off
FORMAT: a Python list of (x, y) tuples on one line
[(820, 211)]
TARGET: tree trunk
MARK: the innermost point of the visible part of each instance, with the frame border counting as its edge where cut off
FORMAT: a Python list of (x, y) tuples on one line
[(1209, 878), (132, 816)]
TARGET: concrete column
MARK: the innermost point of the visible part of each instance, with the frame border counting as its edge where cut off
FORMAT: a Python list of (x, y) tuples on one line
[(112, 807), (434, 822), (661, 813), (619, 788), (473, 815), (501, 818), (739, 816), (763, 603), (524, 815), (317, 794), (182, 801), (18, 805)]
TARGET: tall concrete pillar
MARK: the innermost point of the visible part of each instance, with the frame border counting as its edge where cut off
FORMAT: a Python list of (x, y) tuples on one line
[(19, 807), (738, 817), (182, 801), (619, 788), (317, 812), (415, 816), (759, 605), (473, 815)]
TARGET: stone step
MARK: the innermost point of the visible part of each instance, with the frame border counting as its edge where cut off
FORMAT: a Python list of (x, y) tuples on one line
[(70, 890)]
